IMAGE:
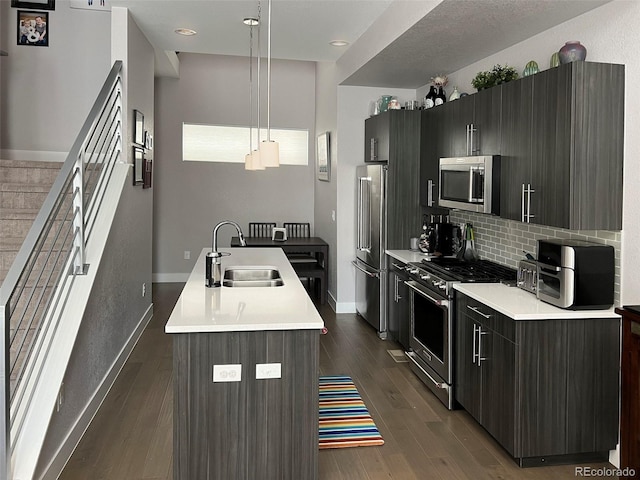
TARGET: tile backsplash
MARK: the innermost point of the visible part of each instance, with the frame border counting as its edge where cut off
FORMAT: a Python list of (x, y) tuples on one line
[(503, 241)]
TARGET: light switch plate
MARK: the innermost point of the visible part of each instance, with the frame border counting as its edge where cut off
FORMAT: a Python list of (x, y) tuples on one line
[(268, 370), (227, 373)]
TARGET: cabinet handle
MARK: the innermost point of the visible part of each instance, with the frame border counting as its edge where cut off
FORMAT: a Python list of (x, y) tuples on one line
[(430, 186), (529, 192), (480, 335), (522, 216), (471, 148), (374, 150), (475, 309), (474, 353)]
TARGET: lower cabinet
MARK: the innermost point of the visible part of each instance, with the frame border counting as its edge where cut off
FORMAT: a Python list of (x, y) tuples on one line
[(398, 306), (249, 428), (546, 390)]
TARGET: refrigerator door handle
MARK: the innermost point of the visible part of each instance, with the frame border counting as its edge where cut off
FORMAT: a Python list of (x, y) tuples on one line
[(364, 213), (366, 272)]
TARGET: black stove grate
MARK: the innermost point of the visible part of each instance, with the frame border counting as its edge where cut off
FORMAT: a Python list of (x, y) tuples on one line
[(481, 271)]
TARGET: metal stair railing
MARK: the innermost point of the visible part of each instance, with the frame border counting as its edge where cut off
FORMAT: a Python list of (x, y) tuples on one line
[(51, 257)]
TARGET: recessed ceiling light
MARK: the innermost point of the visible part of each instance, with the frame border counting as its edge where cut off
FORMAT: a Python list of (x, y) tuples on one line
[(187, 32), (339, 43), (250, 21)]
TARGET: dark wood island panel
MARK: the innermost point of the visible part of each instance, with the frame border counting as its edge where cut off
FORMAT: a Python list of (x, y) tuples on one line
[(254, 428)]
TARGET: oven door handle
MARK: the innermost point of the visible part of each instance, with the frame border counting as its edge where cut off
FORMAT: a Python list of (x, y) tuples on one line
[(546, 266), (416, 286)]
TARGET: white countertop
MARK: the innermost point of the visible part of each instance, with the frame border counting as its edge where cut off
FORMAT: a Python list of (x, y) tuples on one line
[(408, 256), (232, 309), (522, 305)]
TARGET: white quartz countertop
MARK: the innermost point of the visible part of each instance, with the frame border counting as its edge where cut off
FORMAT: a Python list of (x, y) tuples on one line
[(407, 256), (231, 309), (522, 305)]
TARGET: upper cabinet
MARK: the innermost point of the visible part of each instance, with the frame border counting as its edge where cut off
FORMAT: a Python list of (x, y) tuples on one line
[(376, 138), (394, 137), (561, 143), (464, 127)]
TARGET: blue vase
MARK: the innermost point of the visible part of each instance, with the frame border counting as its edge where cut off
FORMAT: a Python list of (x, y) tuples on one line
[(572, 52)]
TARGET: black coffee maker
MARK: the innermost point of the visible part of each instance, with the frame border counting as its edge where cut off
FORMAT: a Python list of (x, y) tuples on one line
[(444, 237)]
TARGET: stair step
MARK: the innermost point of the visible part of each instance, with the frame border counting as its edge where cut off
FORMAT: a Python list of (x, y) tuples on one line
[(14, 171), (18, 213)]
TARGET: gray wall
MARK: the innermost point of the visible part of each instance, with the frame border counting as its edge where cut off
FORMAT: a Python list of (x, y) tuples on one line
[(353, 108), (116, 305), (46, 92), (191, 197), (325, 195)]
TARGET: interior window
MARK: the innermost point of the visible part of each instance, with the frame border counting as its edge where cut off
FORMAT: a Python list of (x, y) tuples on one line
[(224, 143)]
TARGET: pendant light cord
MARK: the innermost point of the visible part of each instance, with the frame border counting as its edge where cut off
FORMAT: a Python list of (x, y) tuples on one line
[(269, 75)]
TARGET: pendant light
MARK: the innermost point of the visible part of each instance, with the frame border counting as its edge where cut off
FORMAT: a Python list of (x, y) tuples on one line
[(269, 150), (252, 159)]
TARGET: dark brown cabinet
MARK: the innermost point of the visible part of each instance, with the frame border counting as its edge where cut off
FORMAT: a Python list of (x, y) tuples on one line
[(377, 137), (248, 429), (562, 145), (630, 414), (546, 390), (398, 305), (398, 144)]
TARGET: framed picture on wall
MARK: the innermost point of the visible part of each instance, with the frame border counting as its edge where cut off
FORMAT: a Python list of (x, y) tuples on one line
[(323, 157), (33, 28), (148, 167), (35, 4), (104, 5), (138, 128), (138, 166)]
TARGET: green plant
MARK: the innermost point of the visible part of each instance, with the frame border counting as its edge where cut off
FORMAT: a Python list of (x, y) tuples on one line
[(497, 75), (483, 80), (504, 74)]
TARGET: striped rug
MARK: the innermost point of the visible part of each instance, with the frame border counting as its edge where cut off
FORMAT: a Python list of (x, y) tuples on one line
[(344, 418)]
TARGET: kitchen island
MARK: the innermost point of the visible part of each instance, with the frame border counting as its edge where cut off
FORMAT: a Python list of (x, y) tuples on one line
[(245, 363)]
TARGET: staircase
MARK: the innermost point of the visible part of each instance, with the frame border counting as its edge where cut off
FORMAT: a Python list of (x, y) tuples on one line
[(24, 186)]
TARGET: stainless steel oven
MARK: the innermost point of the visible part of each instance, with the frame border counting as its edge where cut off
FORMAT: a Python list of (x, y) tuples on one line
[(431, 339), (432, 314)]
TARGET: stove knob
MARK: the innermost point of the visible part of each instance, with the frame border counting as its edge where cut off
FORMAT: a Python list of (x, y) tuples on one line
[(442, 287), (413, 271), (437, 283), (425, 277)]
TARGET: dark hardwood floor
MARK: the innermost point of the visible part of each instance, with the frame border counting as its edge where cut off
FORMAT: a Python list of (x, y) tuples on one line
[(131, 435)]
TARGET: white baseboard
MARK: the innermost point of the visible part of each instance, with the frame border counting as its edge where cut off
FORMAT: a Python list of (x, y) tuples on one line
[(62, 456), (345, 307), (170, 277), (33, 155)]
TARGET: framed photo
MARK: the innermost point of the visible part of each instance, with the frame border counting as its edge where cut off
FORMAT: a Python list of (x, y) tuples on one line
[(138, 128), (138, 166), (148, 140), (33, 28), (104, 5), (148, 167), (324, 157), (35, 4)]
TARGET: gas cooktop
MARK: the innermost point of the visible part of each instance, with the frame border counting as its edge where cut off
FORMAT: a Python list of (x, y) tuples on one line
[(481, 271)]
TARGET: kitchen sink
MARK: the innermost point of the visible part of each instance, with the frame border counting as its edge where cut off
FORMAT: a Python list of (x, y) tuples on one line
[(249, 276)]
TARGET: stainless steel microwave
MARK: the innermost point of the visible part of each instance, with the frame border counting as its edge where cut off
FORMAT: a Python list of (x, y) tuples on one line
[(470, 183)]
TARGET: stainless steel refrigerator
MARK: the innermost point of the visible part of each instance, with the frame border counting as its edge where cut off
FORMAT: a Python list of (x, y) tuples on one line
[(371, 242)]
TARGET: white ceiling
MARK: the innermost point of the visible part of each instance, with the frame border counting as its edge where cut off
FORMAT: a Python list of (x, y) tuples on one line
[(453, 34)]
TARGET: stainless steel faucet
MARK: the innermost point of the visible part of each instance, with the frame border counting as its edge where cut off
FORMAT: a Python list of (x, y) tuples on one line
[(212, 260)]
